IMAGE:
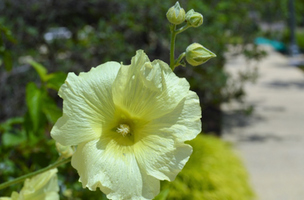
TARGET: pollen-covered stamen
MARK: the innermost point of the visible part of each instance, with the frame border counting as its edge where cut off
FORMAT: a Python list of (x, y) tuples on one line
[(123, 129)]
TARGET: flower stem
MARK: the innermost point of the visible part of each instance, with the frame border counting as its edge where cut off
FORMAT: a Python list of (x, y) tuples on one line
[(172, 46), (182, 29), (22, 178), (174, 32), (177, 61)]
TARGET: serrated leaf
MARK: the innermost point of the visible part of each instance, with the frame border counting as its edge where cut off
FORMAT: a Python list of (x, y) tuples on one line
[(41, 70)]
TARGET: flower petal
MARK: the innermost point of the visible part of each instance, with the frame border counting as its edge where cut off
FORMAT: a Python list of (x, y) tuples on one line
[(183, 122), (148, 90), (161, 157), (87, 105), (42, 186), (113, 168), (162, 151), (5, 198)]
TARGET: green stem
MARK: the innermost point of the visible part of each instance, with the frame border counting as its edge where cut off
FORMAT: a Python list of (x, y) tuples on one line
[(182, 28), (22, 178), (174, 32), (177, 61), (172, 46)]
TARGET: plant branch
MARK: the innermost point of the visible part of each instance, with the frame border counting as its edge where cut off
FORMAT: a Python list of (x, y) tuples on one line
[(172, 45), (22, 178)]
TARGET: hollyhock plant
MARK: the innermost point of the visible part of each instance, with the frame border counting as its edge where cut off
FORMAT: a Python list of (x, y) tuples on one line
[(129, 123), (124, 127)]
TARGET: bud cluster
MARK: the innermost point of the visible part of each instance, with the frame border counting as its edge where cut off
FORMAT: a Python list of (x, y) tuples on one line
[(176, 15), (195, 54)]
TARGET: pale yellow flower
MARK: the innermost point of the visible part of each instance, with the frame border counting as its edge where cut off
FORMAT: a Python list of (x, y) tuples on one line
[(41, 187), (130, 123)]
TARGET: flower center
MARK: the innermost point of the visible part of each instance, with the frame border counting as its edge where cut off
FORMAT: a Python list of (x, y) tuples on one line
[(123, 129)]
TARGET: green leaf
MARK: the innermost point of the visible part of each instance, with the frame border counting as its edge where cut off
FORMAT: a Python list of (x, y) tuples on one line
[(41, 70), (162, 195), (55, 80), (27, 124), (8, 34), (12, 139), (50, 109), (15, 120), (33, 102), (7, 125)]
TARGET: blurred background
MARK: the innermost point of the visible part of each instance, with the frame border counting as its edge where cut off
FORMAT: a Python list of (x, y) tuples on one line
[(41, 41)]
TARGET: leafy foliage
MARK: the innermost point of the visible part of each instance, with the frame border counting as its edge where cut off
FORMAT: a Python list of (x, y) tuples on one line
[(4, 52), (113, 30), (25, 140), (213, 172)]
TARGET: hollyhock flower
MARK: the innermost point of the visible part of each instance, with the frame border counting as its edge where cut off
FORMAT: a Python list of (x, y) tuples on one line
[(43, 186), (129, 123)]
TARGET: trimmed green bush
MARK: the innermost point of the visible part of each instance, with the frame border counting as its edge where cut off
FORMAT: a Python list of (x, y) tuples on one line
[(213, 172)]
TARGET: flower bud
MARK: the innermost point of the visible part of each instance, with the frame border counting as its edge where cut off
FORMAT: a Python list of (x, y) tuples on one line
[(194, 19), (176, 14), (196, 54), (64, 151)]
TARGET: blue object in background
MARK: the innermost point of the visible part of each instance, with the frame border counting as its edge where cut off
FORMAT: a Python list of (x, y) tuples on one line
[(278, 46)]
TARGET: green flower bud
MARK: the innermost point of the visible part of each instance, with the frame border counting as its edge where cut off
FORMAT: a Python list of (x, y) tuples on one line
[(64, 151), (196, 54), (176, 14), (194, 19)]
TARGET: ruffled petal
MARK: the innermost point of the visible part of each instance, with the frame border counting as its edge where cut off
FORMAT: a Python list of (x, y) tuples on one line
[(113, 168), (183, 122), (87, 105), (148, 90), (162, 151), (161, 157)]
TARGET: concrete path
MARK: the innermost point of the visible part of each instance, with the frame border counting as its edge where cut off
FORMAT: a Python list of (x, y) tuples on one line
[(271, 140)]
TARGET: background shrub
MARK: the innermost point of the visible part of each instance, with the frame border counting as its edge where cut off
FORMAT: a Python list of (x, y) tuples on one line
[(100, 31), (213, 172)]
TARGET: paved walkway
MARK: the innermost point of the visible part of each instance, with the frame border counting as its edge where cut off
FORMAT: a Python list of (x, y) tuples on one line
[(271, 140)]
